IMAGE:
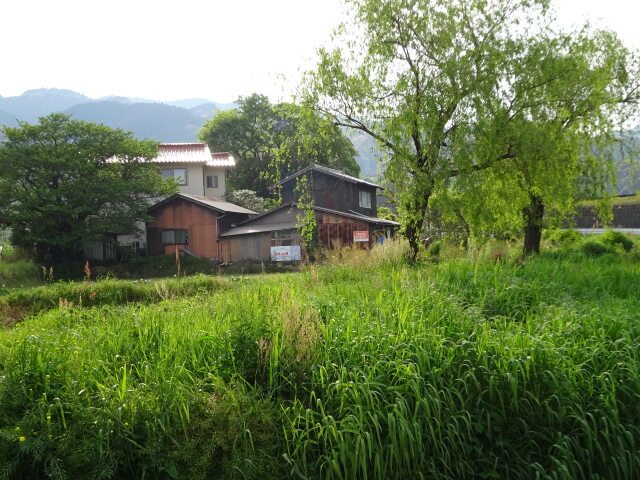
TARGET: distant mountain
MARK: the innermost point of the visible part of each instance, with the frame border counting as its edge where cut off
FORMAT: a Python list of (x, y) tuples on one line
[(157, 121), (37, 103), (189, 102), (369, 154), (204, 111), (175, 121), (8, 119)]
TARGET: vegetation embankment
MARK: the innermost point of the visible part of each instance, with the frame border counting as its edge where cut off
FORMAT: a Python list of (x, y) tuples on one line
[(456, 369)]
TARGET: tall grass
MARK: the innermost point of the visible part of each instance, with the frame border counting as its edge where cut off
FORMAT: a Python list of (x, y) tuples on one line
[(450, 370)]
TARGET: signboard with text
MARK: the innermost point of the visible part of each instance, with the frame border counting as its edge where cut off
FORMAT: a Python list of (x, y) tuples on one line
[(289, 253), (361, 236)]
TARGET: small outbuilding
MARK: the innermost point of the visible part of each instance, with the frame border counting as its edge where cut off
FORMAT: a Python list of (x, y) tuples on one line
[(192, 223), (262, 237)]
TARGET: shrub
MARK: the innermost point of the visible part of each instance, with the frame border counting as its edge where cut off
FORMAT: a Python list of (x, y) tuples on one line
[(564, 238), (613, 239), (434, 249), (593, 248)]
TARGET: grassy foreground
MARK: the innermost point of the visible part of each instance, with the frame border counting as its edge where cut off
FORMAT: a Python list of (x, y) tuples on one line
[(456, 370)]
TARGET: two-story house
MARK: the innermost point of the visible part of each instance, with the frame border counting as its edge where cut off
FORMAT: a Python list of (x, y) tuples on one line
[(344, 208), (198, 172), (196, 169)]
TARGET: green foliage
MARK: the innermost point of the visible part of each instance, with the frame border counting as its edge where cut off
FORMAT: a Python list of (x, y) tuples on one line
[(306, 219), (617, 239), (108, 291), (420, 76), (59, 185), (387, 214), (271, 142), (564, 238), (594, 248), (248, 199), (454, 370), (435, 248)]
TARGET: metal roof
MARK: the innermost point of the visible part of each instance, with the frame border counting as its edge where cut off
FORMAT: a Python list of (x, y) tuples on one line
[(358, 216), (248, 229), (210, 202), (193, 153), (328, 171)]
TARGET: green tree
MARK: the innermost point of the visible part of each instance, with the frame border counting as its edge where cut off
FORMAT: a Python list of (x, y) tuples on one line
[(270, 142), (558, 132), (446, 88), (249, 199), (61, 185)]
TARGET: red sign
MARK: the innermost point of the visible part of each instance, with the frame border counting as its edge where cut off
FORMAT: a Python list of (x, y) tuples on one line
[(361, 236)]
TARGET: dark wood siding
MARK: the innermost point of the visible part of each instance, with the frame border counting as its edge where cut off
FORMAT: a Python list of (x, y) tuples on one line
[(333, 193), (335, 231), (624, 216)]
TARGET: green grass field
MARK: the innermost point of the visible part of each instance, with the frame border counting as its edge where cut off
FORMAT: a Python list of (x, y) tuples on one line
[(450, 370)]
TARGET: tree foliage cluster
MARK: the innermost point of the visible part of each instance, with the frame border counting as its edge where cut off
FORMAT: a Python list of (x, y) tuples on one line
[(483, 108), (271, 142), (65, 182)]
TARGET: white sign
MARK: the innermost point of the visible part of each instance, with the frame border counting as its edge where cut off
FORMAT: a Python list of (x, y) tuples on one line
[(286, 254)]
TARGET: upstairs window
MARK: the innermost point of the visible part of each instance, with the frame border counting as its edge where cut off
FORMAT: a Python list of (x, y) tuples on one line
[(180, 174), (175, 237), (212, 181), (365, 199)]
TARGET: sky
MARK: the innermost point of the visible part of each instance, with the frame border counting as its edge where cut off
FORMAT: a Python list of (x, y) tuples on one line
[(214, 49)]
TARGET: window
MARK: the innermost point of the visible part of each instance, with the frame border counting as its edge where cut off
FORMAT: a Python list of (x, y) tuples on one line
[(212, 181), (284, 238), (365, 199), (175, 237), (180, 174)]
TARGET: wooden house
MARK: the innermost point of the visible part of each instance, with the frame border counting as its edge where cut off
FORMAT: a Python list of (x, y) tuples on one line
[(331, 189), (344, 208), (191, 222)]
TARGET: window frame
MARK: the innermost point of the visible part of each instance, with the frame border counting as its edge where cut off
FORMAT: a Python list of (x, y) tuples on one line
[(185, 179), (366, 195), (213, 184), (173, 241)]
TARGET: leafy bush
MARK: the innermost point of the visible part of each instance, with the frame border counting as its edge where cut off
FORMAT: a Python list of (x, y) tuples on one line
[(434, 249), (564, 238), (613, 239), (593, 248)]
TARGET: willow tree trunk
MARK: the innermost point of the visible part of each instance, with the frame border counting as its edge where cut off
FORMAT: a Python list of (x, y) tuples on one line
[(415, 222), (533, 214)]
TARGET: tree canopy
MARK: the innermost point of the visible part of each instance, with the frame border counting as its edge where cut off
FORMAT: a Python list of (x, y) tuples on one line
[(273, 141), (65, 182), (453, 89)]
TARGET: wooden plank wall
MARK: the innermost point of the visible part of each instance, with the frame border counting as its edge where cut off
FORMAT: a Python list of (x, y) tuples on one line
[(238, 248), (199, 221), (336, 232)]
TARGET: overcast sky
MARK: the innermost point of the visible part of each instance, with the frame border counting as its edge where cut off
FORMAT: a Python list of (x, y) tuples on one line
[(215, 49)]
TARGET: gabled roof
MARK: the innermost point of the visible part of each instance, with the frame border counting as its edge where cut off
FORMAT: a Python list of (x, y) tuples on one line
[(328, 171), (198, 153), (216, 204)]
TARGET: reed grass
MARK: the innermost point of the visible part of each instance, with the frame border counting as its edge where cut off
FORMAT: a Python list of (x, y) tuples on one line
[(452, 370)]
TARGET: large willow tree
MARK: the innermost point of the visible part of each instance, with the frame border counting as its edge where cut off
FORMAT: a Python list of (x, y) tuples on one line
[(447, 88)]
